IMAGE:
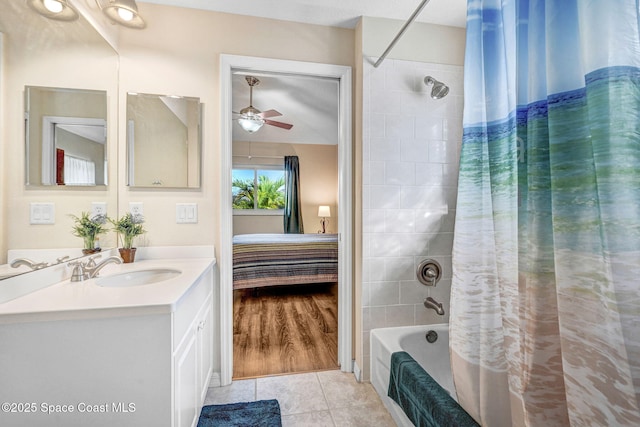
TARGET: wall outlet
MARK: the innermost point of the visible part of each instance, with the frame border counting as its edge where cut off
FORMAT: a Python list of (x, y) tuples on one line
[(98, 208), (136, 208)]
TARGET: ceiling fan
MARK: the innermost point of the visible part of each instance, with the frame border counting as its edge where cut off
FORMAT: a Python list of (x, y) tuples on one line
[(251, 119)]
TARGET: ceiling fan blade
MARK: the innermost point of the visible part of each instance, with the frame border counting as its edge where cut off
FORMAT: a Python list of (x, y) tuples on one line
[(286, 126), (269, 113)]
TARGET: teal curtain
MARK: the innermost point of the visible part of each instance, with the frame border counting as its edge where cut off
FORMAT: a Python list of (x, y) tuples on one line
[(545, 299), (292, 203)]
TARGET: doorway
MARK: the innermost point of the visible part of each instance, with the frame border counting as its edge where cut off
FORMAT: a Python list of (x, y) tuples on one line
[(229, 63)]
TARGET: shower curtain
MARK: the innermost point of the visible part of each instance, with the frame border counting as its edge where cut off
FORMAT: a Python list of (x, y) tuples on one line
[(545, 300)]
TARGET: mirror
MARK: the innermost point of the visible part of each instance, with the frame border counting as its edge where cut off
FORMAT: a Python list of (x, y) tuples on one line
[(66, 136), (163, 141), (37, 55)]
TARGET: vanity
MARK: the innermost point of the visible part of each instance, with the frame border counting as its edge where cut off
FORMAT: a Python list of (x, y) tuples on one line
[(133, 347)]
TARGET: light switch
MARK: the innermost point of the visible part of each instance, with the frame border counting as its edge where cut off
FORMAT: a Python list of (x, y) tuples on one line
[(186, 213), (42, 213)]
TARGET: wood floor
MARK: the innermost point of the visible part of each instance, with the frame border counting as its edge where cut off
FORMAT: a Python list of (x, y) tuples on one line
[(285, 329)]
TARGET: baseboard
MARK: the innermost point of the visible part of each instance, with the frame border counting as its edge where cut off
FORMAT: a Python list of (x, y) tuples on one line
[(215, 379), (357, 372)]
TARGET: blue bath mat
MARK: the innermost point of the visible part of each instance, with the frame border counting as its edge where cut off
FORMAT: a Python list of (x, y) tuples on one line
[(262, 413)]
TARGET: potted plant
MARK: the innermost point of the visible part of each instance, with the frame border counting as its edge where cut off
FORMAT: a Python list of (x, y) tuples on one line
[(128, 227), (89, 228)]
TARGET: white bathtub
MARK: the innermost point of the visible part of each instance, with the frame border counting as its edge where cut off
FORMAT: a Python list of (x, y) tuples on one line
[(433, 357)]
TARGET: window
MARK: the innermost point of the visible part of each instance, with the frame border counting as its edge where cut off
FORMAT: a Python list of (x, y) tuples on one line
[(79, 171), (259, 188)]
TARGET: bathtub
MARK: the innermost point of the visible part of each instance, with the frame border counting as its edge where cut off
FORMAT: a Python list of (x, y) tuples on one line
[(433, 357)]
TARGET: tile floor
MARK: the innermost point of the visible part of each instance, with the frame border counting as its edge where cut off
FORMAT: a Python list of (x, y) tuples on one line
[(316, 399)]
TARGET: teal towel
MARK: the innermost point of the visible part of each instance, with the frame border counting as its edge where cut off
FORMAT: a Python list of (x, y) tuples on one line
[(421, 398)]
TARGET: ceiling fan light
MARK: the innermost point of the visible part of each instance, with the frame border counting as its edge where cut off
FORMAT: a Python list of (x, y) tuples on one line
[(60, 10), (250, 124), (123, 12)]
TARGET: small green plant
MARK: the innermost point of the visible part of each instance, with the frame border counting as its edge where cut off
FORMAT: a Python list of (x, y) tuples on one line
[(128, 227), (89, 228)]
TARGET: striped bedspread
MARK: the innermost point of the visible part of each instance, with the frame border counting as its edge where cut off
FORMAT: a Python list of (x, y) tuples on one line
[(284, 259)]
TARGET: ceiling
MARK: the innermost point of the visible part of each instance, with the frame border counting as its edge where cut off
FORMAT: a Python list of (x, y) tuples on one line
[(311, 104), (335, 13)]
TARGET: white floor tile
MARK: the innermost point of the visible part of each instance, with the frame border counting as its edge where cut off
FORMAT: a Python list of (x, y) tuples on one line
[(322, 399)]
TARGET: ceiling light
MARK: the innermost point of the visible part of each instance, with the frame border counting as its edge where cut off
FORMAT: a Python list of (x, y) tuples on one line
[(53, 6), (54, 9), (250, 118), (250, 123), (123, 12)]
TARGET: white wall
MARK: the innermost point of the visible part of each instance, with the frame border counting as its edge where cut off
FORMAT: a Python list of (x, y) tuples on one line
[(410, 155), (422, 42)]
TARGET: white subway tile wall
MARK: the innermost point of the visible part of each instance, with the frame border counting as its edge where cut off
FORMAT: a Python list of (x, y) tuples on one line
[(411, 150)]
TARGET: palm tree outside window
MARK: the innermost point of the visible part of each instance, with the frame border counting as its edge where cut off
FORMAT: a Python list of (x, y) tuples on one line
[(258, 188)]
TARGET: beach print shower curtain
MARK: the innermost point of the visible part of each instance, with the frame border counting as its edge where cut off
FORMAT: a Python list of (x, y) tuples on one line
[(545, 301)]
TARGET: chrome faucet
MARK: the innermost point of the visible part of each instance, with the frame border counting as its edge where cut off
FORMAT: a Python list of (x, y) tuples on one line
[(93, 271), (437, 306), (31, 264), (91, 262), (89, 270), (62, 259)]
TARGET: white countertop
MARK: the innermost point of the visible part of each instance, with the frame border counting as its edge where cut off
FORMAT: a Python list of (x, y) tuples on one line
[(66, 299)]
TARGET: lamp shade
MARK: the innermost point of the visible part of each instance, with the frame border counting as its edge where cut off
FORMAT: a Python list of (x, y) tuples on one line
[(324, 211)]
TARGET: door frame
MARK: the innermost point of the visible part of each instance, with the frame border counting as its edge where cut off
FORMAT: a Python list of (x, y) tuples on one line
[(345, 212)]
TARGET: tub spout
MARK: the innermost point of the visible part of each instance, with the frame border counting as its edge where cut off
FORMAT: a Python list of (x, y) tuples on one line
[(437, 306)]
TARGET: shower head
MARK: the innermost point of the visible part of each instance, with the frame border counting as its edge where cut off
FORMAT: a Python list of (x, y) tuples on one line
[(439, 90)]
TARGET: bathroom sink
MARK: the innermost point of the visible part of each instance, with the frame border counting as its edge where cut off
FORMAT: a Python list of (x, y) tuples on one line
[(138, 278)]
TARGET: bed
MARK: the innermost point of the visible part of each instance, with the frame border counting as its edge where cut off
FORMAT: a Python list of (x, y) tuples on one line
[(284, 259)]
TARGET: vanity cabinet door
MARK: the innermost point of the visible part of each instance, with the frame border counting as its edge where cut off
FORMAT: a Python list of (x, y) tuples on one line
[(193, 351), (205, 348), (187, 408)]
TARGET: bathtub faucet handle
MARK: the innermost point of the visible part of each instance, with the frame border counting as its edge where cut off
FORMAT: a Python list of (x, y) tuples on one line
[(429, 272)]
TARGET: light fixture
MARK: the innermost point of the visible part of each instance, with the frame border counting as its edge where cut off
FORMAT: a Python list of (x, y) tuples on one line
[(250, 122), (54, 9), (123, 12), (324, 212), (250, 119)]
